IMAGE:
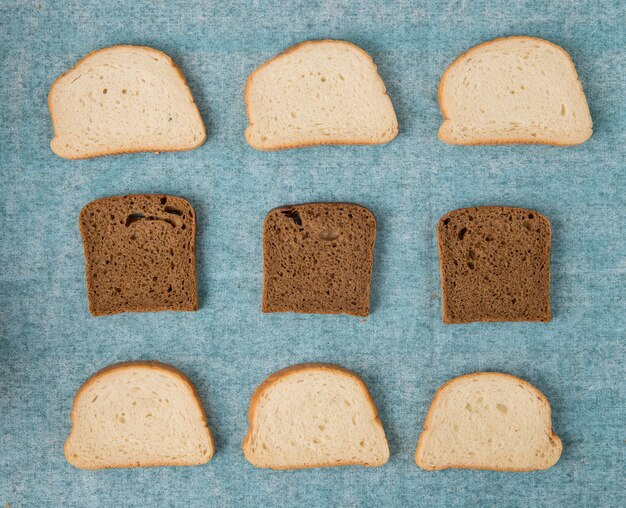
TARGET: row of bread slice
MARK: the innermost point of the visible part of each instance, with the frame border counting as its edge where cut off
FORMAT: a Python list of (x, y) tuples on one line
[(135, 99), (309, 415), (317, 258)]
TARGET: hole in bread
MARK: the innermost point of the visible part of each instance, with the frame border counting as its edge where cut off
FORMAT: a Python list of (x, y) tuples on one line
[(134, 217), (164, 200), (462, 232), (446, 222), (172, 210), (293, 215)]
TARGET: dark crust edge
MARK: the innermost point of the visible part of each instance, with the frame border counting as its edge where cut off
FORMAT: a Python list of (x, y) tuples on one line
[(85, 209), (264, 306), (442, 270)]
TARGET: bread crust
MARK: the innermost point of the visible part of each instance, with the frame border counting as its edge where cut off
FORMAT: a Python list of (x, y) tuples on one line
[(277, 376), (57, 81), (265, 306), (433, 405), (90, 281), (287, 146), (497, 141), (442, 271), (149, 365)]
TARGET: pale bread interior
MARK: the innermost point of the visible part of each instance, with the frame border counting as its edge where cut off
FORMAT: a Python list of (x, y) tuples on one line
[(488, 421), (134, 416), (514, 90), (314, 417), (123, 99), (318, 93)]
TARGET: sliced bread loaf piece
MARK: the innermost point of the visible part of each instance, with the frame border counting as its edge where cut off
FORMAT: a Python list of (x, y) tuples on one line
[(314, 415), (318, 93), (488, 420), (135, 415), (123, 99), (140, 254), (495, 265), (317, 258), (513, 90)]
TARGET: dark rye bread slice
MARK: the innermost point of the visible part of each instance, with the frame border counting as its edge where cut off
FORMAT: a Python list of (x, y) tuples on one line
[(495, 265), (318, 259), (140, 254)]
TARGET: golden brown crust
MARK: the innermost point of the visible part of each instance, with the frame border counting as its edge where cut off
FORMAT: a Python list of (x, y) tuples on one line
[(138, 149), (442, 269), (420, 442), (277, 376), (150, 365), (496, 141), (287, 146)]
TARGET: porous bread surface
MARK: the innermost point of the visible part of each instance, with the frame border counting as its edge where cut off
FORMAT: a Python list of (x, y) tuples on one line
[(495, 265), (123, 99), (314, 415), (318, 259), (135, 415), (140, 254), (318, 93), (488, 420), (514, 90)]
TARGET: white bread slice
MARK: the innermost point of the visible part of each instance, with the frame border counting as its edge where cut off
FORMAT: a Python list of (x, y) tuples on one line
[(488, 420), (318, 93), (314, 415), (513, 90), (138, 414), (123, 99)]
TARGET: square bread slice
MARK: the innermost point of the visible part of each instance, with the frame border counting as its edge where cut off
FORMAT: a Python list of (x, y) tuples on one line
[(318, 259), (140, 254), (495, 265)]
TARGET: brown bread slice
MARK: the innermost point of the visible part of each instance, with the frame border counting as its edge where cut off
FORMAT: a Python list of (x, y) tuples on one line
[(495, 265), (318, 259), (140, 254)]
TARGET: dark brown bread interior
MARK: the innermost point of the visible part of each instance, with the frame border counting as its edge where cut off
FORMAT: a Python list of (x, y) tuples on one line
[(318, 259), (140, 254), (495, 265)]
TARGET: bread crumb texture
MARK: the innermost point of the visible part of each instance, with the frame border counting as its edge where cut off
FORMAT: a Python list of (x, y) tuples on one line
[(135, 415), (123, 99), (488, 420), (314, 415), (140, 254), (318, 259), (495, 265), (318, 93), (514, 90)]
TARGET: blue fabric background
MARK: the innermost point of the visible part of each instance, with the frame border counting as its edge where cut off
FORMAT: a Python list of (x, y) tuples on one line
[(50, 344)]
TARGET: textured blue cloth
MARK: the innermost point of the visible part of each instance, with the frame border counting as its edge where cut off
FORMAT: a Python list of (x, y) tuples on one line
[(50, 344)]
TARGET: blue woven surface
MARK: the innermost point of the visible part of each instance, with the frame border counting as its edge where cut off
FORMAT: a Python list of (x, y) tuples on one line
[(50, 344)]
